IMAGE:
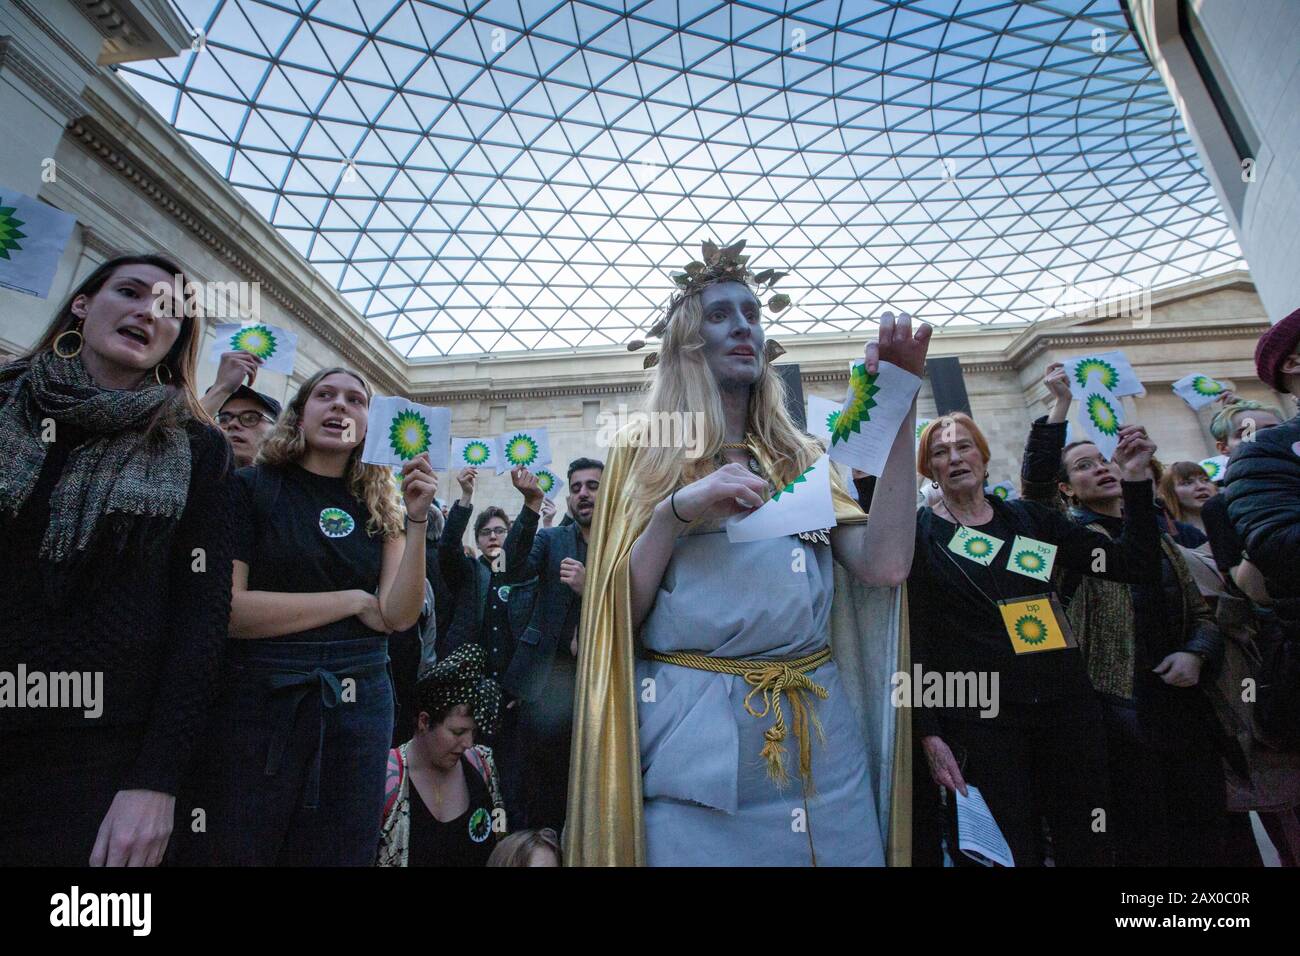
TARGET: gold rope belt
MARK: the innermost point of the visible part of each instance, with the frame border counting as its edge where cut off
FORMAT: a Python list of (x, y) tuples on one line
[(771, 677)]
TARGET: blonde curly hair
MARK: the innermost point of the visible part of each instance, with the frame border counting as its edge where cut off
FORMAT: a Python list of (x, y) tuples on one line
[(372, 484)]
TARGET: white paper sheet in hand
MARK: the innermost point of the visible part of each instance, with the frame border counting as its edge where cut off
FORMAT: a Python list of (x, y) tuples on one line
[(1198, 390), (869, 419), (475, 452), (33, 235), (529, 447), (275, 346), (399, 430), (978, 834), (1112, 367), (1101, 415), (803, 505), (821, 413)]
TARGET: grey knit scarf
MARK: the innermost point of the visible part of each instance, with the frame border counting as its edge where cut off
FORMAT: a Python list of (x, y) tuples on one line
[(114, 471)]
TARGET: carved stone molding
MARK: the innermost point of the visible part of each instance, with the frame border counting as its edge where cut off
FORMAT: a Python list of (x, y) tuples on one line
[(100, 143), (15, 59), (75, 55)]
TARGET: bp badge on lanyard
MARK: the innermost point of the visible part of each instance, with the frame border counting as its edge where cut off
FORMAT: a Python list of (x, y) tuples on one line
[(974, 546), (1036, 623), (1032, 558)]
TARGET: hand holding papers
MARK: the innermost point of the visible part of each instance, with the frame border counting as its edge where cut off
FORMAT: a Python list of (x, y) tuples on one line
[(978, 834), (804, 504)]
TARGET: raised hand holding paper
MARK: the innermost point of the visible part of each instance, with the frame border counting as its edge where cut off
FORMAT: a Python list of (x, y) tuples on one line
[(400, 429), (871, 415), (1112, 368), (805, 504), (475, 452), (276, 347), (1198, 390), (1101, 416)]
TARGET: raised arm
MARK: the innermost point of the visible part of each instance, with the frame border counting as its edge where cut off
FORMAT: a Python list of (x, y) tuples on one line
[(523, 530), (401, 576)]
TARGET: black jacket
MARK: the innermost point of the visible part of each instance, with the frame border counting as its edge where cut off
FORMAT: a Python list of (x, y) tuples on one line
[(539, 608), (468, 579), (1263, 491)]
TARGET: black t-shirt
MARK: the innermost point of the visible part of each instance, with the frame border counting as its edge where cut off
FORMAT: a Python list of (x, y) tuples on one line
[(467, 840), (314, 539)]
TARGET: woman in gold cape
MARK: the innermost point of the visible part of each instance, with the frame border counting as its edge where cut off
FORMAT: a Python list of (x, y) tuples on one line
[(867, 625)]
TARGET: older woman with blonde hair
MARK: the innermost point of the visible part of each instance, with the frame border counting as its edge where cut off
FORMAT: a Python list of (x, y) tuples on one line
[(984, 604), (326, 565)]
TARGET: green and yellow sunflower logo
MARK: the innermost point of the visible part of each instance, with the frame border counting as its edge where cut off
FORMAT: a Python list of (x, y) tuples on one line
[(336, 523), (790, 487), (1031, 629), (255, 339), (1109, 374), (1031, 562), (977, 547), (9, 232), (863, 389), (521, 450), (546, 480), (476, 452), (480, 825), (1211, 468), (1000, 491), (1103, 415), (831, 419), (409, 434), (1204, 385)]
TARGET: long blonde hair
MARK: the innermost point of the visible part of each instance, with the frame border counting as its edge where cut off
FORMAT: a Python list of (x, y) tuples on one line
[(372, 484), (682, 385)]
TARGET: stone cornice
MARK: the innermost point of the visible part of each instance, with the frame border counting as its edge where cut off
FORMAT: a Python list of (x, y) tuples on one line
[(14, 58), (73, 54), (385, 377)]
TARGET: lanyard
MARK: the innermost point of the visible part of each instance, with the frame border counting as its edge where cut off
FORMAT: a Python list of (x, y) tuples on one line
[(969, 579)]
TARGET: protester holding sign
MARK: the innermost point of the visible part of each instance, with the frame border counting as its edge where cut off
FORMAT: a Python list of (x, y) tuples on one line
[(326, 565), (982, 580)]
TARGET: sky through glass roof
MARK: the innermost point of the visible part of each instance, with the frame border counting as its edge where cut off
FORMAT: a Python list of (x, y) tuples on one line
[(506, 175)]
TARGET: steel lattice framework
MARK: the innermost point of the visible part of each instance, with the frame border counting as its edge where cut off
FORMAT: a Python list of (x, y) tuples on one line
[(494, 176)]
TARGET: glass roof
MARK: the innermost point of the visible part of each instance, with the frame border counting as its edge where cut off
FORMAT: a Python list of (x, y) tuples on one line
[(503, 175)]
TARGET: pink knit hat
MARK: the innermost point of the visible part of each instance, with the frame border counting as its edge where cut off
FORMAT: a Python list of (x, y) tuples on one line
[(1274, 347)]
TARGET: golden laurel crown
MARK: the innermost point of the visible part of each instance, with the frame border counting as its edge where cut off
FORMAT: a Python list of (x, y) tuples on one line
[(719, 264)]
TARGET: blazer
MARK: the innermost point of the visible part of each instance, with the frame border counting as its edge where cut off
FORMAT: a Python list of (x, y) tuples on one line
[(538, 609)]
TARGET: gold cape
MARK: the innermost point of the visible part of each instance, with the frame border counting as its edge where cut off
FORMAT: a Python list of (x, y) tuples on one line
[(869, 640)]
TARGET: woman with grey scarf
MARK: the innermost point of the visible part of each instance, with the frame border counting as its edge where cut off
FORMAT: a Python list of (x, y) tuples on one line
[(114, 514)]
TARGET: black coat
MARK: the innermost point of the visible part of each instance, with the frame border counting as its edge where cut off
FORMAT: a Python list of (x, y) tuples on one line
[(468, 579), (1263, 492), (539, 608)]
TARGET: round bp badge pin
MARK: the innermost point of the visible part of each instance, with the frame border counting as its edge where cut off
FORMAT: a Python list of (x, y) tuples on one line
[(336, 523)]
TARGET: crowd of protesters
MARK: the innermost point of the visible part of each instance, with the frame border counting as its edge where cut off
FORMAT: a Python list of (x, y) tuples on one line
[(303, 663)]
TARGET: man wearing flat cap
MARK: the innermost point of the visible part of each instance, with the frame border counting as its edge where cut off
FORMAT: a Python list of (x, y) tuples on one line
[(246, 416)]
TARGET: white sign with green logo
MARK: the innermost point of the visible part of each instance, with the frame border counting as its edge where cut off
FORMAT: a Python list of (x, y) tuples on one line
[(400, 429), (276, 347)]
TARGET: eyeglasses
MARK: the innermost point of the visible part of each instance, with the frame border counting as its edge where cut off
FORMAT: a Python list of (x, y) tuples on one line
[(247, 419), (492, 533)]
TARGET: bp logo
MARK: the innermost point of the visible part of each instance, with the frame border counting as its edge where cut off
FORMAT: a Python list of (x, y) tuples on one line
[(503, 592), (480, 825), (336, 523), (476, 452), (999, 491), (1204, 385), (1031, 562), (831, 419), (790, 487), (977, 547), (1031, 629), (9, 232), (256, 339), (521, 450), (408, 435), (1103, 415), (1108, 373), (545, 480), (1212, 468), (862, 392)]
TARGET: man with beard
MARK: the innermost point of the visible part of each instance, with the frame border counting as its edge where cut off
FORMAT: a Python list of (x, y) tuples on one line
[(541, 675)]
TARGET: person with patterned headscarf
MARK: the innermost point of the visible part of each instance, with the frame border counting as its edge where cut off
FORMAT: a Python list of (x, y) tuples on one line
[(443, 802), (757, 727)]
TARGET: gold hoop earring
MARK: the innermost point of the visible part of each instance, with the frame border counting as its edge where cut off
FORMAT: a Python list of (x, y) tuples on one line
[(157, 377), (81, 340)]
